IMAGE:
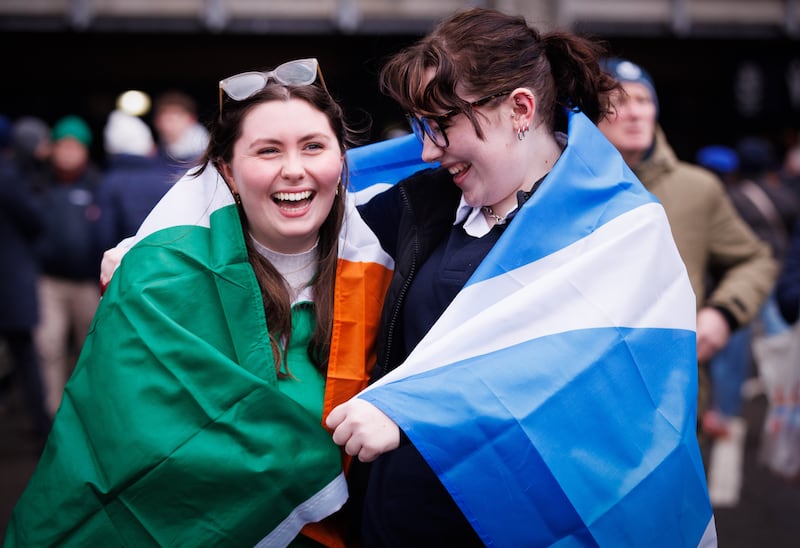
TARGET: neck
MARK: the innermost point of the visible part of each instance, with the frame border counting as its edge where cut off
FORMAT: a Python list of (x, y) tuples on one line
[(547, 152), (298, 269)]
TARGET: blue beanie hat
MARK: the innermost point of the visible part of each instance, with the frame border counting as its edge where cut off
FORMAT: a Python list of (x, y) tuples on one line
[(72, 126), (718, 158), (625, 71)]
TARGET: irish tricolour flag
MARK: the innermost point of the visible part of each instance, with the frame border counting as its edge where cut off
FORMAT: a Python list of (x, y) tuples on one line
[(555, 398), (172, 431)]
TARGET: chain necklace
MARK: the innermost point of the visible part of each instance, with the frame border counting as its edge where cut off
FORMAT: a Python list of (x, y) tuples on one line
[(497, 218)]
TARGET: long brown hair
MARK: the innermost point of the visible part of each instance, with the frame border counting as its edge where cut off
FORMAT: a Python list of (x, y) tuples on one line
[(482, 52), (225, 131)]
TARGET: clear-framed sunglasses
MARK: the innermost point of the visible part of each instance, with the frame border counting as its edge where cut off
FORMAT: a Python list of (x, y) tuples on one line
[(433, 126), (300, 72)]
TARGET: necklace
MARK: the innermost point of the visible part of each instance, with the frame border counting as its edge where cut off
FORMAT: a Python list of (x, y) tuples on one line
[(490, 212)]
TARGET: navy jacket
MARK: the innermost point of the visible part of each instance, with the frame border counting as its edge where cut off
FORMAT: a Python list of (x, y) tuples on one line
[(21, 223), (68, 249), (130, 189), (405, 504)]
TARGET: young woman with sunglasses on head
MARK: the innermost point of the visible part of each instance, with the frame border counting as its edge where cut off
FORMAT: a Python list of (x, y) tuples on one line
[(508, 113), (195, 414)]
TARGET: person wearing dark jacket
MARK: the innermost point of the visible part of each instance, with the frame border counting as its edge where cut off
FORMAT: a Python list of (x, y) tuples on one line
[(787, 290), (21, 223), (68, 256), (769, 208), (134, 180), (497, 105)]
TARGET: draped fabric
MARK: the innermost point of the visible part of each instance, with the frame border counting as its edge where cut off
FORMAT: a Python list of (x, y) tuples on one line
[(172, 429), (556, 396)]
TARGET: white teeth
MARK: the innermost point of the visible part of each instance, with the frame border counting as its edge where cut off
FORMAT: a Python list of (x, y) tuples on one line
[(455, 170), (292, 196)]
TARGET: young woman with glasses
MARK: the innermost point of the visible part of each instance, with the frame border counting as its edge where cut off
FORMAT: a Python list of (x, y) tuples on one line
[(508, 113), (195, 414)]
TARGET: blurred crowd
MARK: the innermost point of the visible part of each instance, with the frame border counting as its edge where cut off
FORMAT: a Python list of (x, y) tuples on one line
[(733, 212), (59, 210)]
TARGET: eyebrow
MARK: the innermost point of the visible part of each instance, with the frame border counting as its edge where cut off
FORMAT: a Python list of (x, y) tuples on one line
[(314, 136)]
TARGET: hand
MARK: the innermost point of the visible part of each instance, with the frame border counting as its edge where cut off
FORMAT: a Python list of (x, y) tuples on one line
[(713, 333), (111, 259), (363, 429)]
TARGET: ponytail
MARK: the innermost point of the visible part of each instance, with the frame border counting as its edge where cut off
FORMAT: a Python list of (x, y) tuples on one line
[(580, 82)]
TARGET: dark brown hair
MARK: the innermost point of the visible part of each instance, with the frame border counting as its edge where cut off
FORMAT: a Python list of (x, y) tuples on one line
[(481, 52), (225, 131)]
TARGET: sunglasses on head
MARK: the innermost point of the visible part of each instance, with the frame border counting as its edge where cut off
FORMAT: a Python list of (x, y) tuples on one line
[(300, 72)]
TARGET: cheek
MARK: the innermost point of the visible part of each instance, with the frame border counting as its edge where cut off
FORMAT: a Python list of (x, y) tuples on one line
[(254, 178), (328, 177)]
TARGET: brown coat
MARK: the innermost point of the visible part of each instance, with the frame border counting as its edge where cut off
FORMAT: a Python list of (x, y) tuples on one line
[(728, 266)]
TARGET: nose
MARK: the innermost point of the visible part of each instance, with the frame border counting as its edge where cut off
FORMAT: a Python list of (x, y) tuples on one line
[(293, 167), (430, 150)]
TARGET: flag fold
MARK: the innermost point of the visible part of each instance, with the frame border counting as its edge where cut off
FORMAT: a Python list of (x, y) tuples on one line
[(172, 430), (555, 398)]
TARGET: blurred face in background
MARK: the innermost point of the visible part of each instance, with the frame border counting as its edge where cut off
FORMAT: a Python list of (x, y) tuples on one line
[(171, 121), (69, 157), (631, 128)]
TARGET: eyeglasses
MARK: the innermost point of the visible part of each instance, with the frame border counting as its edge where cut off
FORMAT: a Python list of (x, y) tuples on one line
[(433, 126), (300, 72)]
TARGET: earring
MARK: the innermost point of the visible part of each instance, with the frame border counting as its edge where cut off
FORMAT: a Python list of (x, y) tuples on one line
[(522, 132), (237, 198)]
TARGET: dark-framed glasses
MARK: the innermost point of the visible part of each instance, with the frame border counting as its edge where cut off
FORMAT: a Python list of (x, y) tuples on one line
[(300, 72), (433, 126)]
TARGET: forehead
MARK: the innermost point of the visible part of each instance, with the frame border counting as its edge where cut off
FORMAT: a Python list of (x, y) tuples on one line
[(285, 116), (635, 90)]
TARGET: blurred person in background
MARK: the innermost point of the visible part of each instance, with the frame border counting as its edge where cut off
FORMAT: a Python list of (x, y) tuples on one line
[(790, 170), (182, 139), (69, 258), (32, 148), (731, 270), (134, 181), (787, 290), (21, 223), (769, 208)]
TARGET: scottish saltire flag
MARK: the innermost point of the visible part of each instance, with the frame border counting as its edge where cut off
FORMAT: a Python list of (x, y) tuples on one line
[(376, 167), (172, 430), (556, 397)]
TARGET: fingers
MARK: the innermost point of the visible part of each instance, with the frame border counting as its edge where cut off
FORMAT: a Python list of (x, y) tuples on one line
[(342, 434), (336, 416), (111, 259), (363, 430)]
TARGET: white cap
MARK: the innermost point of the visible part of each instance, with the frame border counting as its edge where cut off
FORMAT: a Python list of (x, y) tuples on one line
[(126, 134)]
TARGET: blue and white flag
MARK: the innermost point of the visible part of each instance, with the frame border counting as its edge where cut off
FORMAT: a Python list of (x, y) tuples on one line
[(556, 397)]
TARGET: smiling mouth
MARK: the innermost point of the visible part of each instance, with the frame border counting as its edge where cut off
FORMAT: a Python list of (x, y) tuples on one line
[(455, 170), (293, 200)]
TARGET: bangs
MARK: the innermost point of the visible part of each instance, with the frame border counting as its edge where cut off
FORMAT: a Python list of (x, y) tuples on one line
[(421, 80)]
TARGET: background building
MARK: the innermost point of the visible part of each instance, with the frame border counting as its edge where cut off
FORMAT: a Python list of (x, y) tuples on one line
[(723, 68)]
